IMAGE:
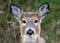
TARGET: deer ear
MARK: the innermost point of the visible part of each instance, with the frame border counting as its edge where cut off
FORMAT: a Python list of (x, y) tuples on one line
[(43, 10), (15, 11)]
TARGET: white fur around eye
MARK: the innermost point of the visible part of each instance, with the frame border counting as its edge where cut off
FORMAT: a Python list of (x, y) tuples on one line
[(36, 24), (24, 24)]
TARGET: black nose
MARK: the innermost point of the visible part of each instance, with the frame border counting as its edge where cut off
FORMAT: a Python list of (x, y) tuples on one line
[(30, 32)]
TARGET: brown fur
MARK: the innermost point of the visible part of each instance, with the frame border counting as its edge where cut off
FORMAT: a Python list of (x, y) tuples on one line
[(28, 16)]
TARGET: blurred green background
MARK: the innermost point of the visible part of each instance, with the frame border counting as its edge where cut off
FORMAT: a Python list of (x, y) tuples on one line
[(9, 26)]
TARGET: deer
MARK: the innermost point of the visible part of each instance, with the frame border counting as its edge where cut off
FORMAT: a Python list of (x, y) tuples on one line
[(30, 22)]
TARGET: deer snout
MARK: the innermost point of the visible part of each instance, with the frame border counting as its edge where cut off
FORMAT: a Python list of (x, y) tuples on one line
[(30, 32)]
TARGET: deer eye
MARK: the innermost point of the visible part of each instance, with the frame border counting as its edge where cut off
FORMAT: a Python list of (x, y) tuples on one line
[(35, 21), (24, 21)]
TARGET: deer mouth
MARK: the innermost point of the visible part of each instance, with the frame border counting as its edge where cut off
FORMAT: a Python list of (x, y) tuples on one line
[(29, 38)]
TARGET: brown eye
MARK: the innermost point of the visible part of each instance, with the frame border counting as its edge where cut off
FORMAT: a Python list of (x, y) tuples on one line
[(35, 21), (24, 21)]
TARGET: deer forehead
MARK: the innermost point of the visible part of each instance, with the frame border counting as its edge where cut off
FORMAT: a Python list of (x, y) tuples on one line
[(30, 15)]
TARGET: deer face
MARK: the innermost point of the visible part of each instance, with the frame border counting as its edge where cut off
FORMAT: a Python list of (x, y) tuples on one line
[(30, 21)]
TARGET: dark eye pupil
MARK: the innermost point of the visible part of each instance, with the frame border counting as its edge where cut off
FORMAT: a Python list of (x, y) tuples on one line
[(35, 21), (24, 21)]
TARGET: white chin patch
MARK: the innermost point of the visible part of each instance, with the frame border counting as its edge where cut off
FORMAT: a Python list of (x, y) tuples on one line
[(31, 38)]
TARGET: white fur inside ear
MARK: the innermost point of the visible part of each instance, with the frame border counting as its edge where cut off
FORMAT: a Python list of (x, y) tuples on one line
[(44, 7), (43, 10), (16, 11)]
